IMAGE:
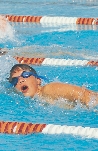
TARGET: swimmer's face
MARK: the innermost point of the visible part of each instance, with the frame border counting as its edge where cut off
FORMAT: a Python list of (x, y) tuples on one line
[(28, 86)]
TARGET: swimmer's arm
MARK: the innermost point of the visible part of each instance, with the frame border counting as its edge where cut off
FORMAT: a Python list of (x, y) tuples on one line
[(3, 23), (70, 92)]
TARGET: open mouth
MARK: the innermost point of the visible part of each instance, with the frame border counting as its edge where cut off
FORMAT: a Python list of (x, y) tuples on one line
[(24, 88)]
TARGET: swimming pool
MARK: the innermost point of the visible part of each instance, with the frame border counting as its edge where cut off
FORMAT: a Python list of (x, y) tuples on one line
[(49, 41)]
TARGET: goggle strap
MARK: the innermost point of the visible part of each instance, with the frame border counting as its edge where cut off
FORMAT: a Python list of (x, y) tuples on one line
[(43, 77)]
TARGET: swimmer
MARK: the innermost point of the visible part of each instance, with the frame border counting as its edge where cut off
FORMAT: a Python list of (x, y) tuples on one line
[(3, 23), (6, 30), (26, 80)]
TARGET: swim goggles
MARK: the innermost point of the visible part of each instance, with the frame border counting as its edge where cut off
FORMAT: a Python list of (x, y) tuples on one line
[(25, 74)]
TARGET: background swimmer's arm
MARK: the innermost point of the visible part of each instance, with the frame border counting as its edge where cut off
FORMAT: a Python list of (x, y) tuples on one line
[(70, 92), (3, 23)]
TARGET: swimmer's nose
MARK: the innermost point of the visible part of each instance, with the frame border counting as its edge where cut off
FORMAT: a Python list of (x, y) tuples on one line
[(21, 80)]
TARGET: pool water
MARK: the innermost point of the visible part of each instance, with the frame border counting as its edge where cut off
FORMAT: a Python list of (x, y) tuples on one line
[(52, 41)]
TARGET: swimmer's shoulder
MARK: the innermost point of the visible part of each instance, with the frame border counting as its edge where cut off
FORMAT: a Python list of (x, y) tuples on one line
[(52, 85), (53, 88)]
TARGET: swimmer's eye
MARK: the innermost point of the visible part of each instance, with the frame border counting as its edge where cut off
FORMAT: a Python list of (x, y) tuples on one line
[(26, 74)]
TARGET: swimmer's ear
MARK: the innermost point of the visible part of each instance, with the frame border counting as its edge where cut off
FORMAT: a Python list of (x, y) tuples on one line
[(38, 81)]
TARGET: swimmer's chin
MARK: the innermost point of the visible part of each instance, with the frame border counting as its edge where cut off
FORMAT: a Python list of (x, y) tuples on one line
[(28, 95)]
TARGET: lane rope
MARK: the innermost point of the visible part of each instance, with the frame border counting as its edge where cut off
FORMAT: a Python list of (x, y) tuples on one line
[(27, 128), (56, 62), (52, 20)]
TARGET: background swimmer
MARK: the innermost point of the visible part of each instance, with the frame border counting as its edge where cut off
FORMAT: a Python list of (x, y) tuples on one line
[(6, 30), (3, 23)]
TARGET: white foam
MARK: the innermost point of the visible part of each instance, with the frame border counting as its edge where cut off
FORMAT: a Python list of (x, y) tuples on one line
[(6, 63)]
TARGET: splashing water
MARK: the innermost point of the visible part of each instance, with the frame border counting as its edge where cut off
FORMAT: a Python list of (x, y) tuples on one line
[(6, 62)]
